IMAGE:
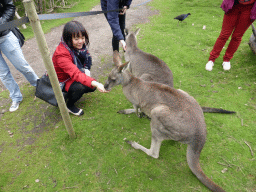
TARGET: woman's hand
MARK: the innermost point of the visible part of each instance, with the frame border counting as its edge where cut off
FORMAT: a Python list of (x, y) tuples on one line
[(123, 44), (123, 11), (99, 86), (87, 72)]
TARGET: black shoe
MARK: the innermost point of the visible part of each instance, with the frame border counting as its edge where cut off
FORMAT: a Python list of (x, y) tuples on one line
[(75, 111)]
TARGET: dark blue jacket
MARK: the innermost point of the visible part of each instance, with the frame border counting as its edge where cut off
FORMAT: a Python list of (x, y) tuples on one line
[(112, 17)]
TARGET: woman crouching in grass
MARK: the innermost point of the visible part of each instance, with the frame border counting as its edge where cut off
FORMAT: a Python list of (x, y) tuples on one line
[(72, 63)]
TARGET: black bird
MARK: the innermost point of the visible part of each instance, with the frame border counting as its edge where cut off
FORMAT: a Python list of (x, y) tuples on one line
[(182, 17)]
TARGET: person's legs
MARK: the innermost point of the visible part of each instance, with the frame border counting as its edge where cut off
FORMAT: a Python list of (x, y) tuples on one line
[(6, 76), (243, 23), (75, 92), (122, 23), (228, 25), (8, 80), (115, 41), (12, 50)]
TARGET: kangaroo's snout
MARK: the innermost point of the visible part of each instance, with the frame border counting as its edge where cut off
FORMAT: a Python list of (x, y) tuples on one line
[(106, 86)]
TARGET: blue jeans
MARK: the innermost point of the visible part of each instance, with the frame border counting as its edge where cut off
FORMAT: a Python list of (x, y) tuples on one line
[(9, 46)]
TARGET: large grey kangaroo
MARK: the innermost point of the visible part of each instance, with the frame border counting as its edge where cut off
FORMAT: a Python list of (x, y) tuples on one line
[(174, 116), (149, 68)]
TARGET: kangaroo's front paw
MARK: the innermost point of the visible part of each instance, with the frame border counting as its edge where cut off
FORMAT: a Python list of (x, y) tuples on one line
[(121, 111), (133, 144), (139, 115), (126, 111), (129, 142)]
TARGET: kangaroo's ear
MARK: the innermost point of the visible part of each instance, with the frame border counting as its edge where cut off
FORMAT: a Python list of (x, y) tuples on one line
[(126, 31), (137, 32), (127, 66), (122, 68), (117, 59)]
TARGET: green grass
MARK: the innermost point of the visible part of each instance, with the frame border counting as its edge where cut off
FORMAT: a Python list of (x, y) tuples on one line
[(100, 160)]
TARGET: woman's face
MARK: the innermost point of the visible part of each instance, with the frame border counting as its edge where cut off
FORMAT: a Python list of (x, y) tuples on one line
[(78, 41)]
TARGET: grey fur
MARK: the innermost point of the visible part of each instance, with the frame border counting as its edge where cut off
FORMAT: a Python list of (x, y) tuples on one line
[(149, 68), (175, 115)]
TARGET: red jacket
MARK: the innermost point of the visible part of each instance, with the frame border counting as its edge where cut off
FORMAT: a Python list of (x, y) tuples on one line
[(65, 68)]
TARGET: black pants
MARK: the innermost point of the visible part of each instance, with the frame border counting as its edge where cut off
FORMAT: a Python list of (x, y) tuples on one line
[(115, 41), (75, 92)]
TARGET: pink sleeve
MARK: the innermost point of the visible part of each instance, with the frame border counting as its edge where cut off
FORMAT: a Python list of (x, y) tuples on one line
[(253, 12)]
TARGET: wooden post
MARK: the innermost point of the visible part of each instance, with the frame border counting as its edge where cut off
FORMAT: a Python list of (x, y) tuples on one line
[(41, 42)]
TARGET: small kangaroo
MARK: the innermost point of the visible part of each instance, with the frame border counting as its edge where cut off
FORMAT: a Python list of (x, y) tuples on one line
[(144, 65), (149, 68), (175, 115)]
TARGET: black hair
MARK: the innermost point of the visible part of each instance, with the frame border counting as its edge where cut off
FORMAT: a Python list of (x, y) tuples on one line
[(74, 29)]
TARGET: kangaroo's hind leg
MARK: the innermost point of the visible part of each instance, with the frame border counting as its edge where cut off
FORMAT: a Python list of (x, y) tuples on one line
[(154, 149), (157, 136)]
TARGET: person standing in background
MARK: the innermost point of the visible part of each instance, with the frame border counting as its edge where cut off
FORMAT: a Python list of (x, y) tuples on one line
[(10, 47), (239, 15), (116, 20)]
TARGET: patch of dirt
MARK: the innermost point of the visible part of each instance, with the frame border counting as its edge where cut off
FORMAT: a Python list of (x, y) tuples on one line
[(100, 49)]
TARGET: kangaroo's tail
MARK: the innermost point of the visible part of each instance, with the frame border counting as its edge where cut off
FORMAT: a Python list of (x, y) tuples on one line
[(215, 110), (193, 162)]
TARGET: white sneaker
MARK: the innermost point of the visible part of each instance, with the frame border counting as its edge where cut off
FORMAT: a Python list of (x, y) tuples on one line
[(14, 106), (226, 65), (75, 111), (209, 65), (79, 113)]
